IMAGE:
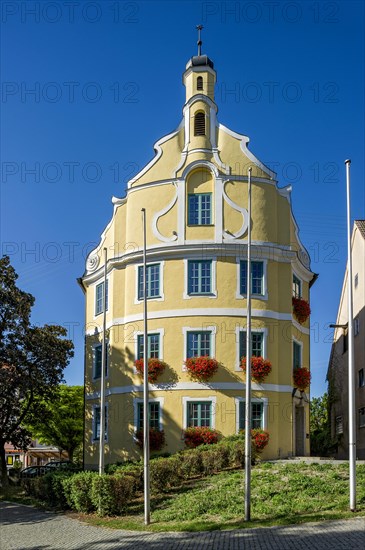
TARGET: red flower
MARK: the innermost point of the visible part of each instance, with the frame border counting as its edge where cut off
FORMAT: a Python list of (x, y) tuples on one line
[(302, 378), (260, 438), (260, 367), (201, 368), (301, 309), (156, 438), (155, 368), (200, 436)]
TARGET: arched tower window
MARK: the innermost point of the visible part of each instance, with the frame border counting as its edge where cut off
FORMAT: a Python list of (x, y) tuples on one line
[(199, 124), (199, 83)]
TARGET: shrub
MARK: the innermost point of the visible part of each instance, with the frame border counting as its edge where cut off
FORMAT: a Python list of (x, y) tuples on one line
[(111, 494), (165, 473), (191, 464), (155, 368), (201, 368), (260, 368), (200, 436), (78, 491), (48, 489), (156, 437)]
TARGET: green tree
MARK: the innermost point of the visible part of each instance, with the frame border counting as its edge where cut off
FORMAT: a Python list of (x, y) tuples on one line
[(32, 361), (61, 422), (319, 426)]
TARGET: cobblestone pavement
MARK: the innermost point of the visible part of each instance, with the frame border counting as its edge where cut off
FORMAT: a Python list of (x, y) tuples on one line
[(26, 528)]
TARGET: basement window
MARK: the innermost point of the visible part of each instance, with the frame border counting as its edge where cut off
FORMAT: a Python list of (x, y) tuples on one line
[(199, 124)]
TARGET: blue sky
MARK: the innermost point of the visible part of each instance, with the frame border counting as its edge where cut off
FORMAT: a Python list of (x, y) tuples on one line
[(83, 88)]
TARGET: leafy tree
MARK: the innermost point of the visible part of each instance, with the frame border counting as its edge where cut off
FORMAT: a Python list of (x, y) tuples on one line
[(321, 443), (61, 422), (32, 361)]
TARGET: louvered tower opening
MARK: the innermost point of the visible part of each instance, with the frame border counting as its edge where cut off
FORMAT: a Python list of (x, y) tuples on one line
[(199, 124), (199, 83)]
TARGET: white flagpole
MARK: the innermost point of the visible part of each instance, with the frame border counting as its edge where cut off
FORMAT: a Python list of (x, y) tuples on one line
[(248, 366), (351, 360), (146, 440), (102, 378)]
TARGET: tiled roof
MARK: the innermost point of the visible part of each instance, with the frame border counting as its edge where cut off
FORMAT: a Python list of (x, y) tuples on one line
[(361, 226)]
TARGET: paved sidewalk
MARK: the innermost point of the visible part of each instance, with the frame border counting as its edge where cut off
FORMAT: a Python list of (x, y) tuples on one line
[(26, 528)]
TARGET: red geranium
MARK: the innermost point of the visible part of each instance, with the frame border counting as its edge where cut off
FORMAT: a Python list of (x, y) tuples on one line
[(155, 368), (301, 309), (260, 367), (156, 438), (201, 368), (302, 378), (260, 438), (193, 437)]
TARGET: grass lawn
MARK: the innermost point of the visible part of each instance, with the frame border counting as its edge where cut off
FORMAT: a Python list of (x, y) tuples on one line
[(280, 494)]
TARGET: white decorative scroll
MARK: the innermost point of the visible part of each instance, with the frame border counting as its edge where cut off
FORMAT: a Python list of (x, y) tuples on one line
[(240, 209), (161, 213), (92, 262)]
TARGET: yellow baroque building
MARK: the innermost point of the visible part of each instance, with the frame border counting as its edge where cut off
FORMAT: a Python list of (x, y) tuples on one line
[(195, 194)]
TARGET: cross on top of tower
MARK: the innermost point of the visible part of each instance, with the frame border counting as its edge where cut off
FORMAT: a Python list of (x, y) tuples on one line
[(199, 29)]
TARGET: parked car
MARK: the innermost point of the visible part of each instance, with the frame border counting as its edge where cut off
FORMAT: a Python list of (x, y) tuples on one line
[(60, 465), (32, 471)]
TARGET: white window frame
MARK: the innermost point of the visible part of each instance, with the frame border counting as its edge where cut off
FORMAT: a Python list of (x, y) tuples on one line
[(294, 274), (97, 406), (294, 340), (96, 345), (160, 298), (263, 296), (211, 328), (186, 400), (263, 400), (138, 400), (97, 315), (160, 331), (239, 329), (213, 293)]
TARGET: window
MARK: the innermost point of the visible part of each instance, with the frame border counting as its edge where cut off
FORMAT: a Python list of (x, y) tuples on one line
[(338, 425), (9, 460), (297, 355), (153, 346), (257, 277), (199, 276), (153, 415), (356, 280), (356, 326), (199, 414), (198, 344), (96, 423), (153, 281), (98, 360), (199, 83), (257, 344), (345, 341), (200, 209), (297, 287), (361, 378), (199, 124), (362, 417), (99, 298), (257, 415)]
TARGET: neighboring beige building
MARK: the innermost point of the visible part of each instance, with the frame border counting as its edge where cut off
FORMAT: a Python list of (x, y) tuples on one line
[(195, 194), (338, 367)]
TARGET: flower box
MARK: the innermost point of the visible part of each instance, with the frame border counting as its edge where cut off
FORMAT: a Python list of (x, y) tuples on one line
[(301, 378), (156, 438), (260, 438), (260, 368), (301, 309), (201, 368), (155, 368), (193, 437)]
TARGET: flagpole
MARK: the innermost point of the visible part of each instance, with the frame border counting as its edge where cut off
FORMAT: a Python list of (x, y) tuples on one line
[(146, 441), (102, 377), (248, 366), (351, 360)]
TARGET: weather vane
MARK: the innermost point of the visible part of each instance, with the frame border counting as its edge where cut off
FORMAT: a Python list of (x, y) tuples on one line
[(199, 28)]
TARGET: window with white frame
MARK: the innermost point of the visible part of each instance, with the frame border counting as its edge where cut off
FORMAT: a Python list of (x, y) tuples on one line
[(257, 414), (154, 412), (199, 277), (153, 346), (362, 417), (98, 360), (199, 124), (199, 414), (153, 281), (257, 344), (257, 277), (99, 298), (199, 343), (297, 287), (297, 355), (96, 423), (200, 209)]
